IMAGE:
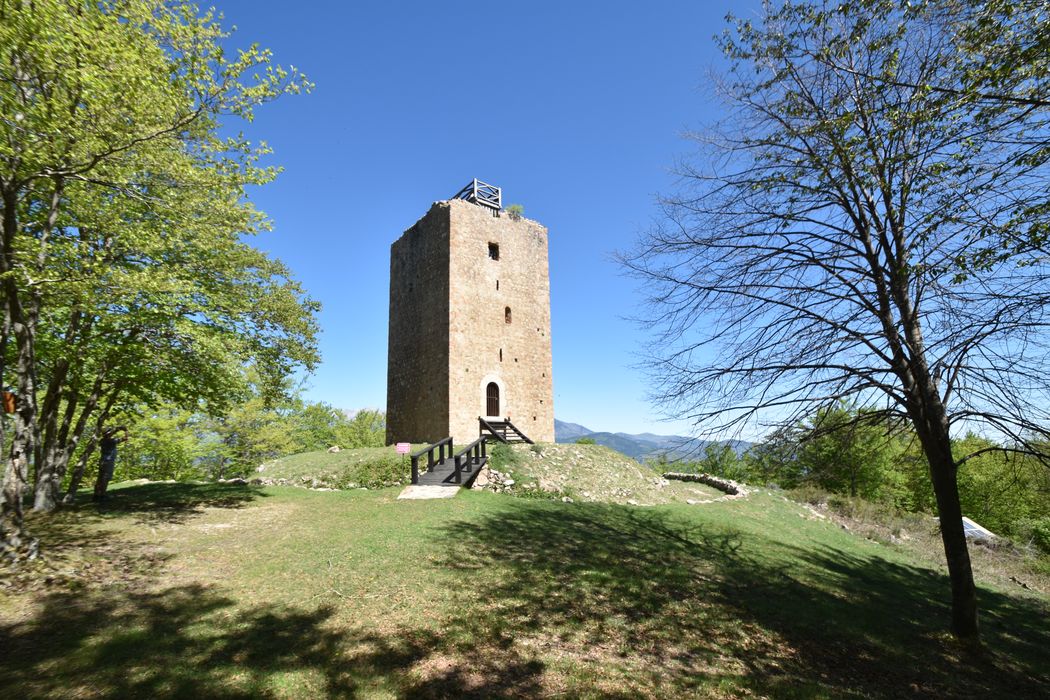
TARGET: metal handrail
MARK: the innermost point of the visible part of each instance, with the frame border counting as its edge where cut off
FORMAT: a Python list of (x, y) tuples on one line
[(479, 192)]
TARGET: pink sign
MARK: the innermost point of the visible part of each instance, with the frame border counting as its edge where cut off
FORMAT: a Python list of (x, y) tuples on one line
[(403, 448)]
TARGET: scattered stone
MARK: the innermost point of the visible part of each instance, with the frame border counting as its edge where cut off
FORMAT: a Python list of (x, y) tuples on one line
[(632, 502), (727, 486), (566, 499), (334, 449)]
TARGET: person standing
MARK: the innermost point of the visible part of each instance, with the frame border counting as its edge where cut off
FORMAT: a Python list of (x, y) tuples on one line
[(108, 458)]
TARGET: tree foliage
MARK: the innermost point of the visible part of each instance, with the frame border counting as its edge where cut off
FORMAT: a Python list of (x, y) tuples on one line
[(126, 277)]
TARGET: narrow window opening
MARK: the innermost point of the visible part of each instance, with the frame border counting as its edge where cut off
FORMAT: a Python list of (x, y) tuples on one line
[(494, 251), (497, 285), (492, 399), (506, 314), (501, 354)]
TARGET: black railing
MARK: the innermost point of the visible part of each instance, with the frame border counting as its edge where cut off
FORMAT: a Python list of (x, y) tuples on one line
[(500, 428), (473, 455), (440, 447), (481, 193)]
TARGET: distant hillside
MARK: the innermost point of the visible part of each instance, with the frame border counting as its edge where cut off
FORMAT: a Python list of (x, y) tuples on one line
[(642, 446)]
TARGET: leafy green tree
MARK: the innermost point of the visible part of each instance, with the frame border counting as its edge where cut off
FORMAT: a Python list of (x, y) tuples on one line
[(720, 459), (123, 274), (775, 459), (366, 429), (849, 451), (1003, 491), (172, 444), (316, 426)]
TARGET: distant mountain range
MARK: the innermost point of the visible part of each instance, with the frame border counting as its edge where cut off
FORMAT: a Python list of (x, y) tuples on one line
[(642, 446)]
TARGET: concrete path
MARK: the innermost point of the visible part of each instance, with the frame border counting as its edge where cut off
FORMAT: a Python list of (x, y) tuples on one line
[(419, 492)]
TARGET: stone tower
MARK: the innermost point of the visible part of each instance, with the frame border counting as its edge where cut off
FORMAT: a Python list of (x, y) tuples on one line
[(469, 326)]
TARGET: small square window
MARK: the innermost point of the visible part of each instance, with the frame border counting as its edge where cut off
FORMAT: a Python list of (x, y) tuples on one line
[(494, 251)]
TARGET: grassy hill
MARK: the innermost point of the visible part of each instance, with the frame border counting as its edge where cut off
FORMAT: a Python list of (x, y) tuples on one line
[(243, 591), (368, 467), (597, 474)]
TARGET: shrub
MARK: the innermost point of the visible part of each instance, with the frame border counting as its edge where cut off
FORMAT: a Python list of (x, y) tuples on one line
[(503, 457), (1036, 532), (515, 211), (586, 441)]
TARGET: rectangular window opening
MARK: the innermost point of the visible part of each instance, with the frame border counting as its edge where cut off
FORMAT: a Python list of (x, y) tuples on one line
[(494, 251)]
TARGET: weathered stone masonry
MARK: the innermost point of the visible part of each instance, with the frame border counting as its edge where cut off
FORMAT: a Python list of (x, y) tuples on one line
[(469, 306)]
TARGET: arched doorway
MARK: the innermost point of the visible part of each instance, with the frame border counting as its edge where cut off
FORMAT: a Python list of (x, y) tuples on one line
[(492, 399)]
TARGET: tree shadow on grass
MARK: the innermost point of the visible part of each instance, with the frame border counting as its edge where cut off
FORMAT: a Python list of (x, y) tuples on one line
[(581, 600), (659, 605), (190, 641), (180, 642), (77, 546), (168, 502)]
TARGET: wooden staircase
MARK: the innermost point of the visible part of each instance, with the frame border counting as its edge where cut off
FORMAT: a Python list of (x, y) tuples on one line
[(502, 430), (444, 467)]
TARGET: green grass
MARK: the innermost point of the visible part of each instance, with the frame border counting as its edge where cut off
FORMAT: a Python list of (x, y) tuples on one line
[(240, 591)]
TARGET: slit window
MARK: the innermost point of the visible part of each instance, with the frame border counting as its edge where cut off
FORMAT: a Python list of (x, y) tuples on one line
[(494, 251), (506, 314)]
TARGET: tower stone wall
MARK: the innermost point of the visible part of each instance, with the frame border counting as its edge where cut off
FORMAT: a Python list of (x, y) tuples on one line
[(417, 354), (469, 307)]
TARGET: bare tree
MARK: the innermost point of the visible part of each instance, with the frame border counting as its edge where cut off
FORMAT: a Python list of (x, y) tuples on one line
[(832, 242)]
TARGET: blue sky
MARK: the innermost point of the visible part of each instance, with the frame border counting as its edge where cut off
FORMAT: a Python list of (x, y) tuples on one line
[(576, 110)]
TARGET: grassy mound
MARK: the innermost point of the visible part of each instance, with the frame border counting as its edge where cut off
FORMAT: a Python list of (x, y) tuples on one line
[(592, 473), (238, 591), (366, 467)]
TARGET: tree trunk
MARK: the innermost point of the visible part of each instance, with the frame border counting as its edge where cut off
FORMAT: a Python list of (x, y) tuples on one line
[(78, 471), (931, 425), (956, 552), (16, 473), (16, 470)]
